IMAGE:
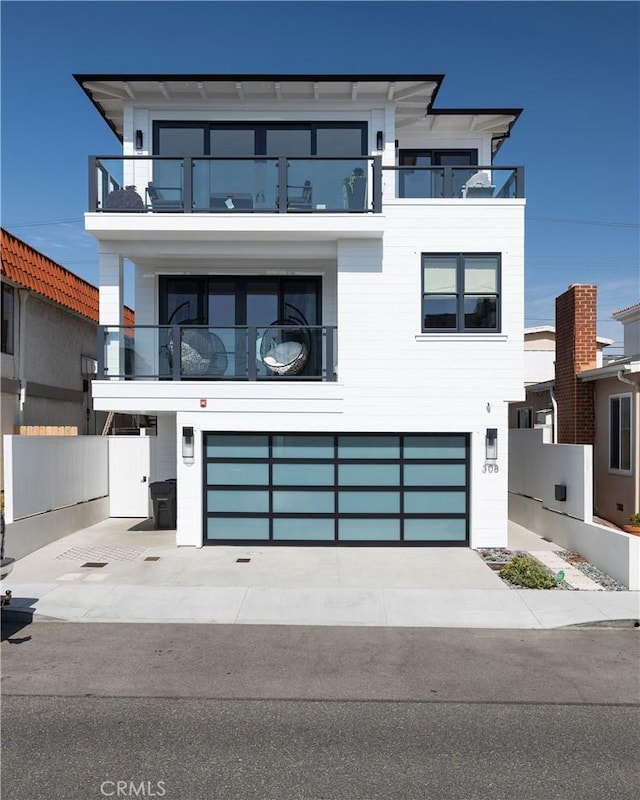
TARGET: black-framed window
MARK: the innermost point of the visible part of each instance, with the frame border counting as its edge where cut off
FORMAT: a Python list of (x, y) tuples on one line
[(620, 433), (236, 139), (8, 318), (240, 300), (525, 418), (461, 292)]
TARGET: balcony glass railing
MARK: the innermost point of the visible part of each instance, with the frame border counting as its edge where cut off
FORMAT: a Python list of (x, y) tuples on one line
[(199, 352), (224, 185), (282, 185), (450, 182)]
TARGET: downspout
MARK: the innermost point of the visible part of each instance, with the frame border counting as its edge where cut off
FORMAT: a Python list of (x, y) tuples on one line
[(554, 403), (620, 377), (23, 296)]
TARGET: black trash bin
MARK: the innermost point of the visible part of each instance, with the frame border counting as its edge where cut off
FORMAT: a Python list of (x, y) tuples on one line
[(163, 497)]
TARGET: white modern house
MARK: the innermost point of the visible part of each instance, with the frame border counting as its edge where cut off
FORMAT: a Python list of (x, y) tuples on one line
[(329, 303)]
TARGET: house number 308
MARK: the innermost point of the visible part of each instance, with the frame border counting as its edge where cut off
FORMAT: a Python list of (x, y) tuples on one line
[(490, 468)]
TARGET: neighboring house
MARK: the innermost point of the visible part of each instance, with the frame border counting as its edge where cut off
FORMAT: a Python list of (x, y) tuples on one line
[(539, 372), (49, 320), (329, 303), (616, 443), (595, 402)]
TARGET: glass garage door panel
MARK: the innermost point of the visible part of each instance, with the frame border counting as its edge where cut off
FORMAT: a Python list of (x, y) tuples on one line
[(435, 502), (242, 446), (369, 474), (303, 474), (238, 474), (369, 502), (434, 447), (369, 529), (237, 500), (309, 502), (304, 528), (303, 447), (377, 447), (434, 474), (237, 528), (438, 530)]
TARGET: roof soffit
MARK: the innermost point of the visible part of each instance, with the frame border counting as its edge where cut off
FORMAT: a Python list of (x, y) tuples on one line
[(413, 97)]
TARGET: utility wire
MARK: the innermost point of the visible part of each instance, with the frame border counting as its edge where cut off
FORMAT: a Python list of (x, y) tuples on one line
[(585, 222), (33, 224)]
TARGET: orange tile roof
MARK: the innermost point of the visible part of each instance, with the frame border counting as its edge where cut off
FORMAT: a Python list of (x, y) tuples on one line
[(25, 266)]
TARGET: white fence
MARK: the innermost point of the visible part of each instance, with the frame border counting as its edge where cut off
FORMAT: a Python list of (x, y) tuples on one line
[(615, 552), (53, 485), (47, 473), (536, 468)]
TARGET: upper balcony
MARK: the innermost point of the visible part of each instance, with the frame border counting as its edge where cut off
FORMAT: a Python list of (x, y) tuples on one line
[(283, 185)]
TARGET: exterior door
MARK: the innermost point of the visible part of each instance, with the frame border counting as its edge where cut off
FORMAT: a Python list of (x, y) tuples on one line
[(129, 471)]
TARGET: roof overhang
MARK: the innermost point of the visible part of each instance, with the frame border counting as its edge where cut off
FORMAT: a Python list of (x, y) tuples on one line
[(413, 96), (625, 367), (628, 314)]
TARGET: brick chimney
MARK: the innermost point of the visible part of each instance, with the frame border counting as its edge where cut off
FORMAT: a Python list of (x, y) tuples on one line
[(575, 351)]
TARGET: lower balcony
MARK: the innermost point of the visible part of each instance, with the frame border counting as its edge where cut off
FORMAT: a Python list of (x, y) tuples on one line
[(204, 353)]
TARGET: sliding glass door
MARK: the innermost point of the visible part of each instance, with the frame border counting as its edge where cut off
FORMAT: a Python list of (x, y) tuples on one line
[(236, 164), (232, 306)]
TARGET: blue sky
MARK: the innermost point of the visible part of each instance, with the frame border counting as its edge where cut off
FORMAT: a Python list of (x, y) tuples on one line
[(573, 66)]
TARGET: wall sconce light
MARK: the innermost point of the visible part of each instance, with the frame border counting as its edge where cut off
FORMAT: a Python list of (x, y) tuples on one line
[(187, 445), (491, 444), (380, 140), (139, 140)]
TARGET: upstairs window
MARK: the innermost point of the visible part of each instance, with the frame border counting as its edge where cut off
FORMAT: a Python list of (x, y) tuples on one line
[(294, 139), (620, 433), (461, 293), (8, 315)]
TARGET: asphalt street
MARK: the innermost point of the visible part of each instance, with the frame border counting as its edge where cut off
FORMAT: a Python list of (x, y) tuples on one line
[(198, 712)]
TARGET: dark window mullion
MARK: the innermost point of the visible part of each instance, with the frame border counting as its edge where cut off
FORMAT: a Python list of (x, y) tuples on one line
[(336, 489), (402, 463)]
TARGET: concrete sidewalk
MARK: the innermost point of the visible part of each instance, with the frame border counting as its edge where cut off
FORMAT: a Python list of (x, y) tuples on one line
[(121, 570)]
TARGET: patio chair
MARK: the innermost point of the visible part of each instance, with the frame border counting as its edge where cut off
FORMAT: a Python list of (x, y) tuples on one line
[(303, 201), (158, 200)]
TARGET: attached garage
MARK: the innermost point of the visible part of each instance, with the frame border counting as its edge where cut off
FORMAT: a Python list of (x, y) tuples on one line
[(322, 489)]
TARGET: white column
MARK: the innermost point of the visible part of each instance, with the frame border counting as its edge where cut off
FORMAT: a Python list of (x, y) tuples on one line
[(112, 310)]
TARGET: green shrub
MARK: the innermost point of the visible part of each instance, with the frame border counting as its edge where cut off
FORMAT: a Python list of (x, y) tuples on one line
[(526, 571)]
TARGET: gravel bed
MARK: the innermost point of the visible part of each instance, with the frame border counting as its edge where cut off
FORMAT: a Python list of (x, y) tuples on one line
[(591, 571), (503, 555)]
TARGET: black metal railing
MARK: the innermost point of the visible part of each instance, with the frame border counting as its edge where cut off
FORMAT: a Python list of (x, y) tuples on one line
[(207, 353), (282, 185), (452, 182), (227, 185)]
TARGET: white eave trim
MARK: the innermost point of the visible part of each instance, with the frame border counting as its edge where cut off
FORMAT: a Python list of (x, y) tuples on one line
[(610, 371)]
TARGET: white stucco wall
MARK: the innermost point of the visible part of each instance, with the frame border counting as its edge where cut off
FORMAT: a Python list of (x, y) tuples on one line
[(536, 467), (391, 376)]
